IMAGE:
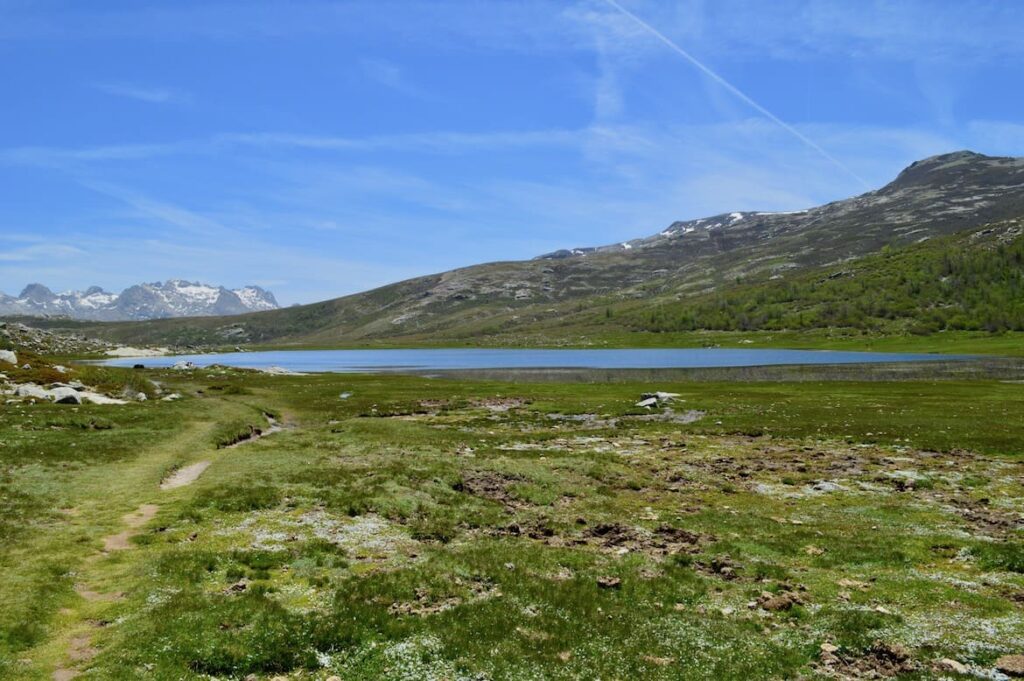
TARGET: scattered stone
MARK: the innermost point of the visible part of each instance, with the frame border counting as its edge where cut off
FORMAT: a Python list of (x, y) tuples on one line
[(345, 396), (140, 397), (778, 602), (853, 584), (172, 397), (238, 587), (949, 665), (609, 582), (1011, 665)]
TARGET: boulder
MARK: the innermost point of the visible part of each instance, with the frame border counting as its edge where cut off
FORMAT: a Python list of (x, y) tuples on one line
[(8, 357), (660, 396), (32, 390), (140, 397), (65, 395), (96, 398)]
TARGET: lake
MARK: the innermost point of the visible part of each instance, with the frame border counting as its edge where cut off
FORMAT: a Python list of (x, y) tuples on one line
[(439, 359)]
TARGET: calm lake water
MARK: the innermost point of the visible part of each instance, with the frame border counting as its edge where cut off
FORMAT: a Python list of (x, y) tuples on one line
[(472, 358)]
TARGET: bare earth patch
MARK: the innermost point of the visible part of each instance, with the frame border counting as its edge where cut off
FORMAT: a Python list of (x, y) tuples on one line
[(134, 520), (184, 476)]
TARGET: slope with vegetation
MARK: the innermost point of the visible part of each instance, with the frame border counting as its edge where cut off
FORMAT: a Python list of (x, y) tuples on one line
[(972, 281), (713, 273)]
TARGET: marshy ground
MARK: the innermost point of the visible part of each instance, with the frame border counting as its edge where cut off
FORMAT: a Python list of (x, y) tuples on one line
[(451, 528)]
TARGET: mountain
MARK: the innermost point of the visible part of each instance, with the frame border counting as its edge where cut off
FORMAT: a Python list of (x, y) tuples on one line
[(173, 298), (937, 196)]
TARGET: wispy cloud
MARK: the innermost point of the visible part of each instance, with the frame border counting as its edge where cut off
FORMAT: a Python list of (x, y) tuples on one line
[(40, 252), (150, 95), (390, 75), (439, 142)]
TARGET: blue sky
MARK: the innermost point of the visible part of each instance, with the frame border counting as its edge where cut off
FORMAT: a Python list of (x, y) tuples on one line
[(322, 148)]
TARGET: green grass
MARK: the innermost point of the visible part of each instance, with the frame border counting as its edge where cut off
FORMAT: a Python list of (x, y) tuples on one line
[(429, 528)]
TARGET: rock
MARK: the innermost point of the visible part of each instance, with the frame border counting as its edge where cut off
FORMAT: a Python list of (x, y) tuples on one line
[(892, 651), (609, 582), (829, 648), (853, 584), (948, 665), (140, 397), (60, 369), (184, 365), (648, 403), (8, 357), (138, 366), (65, 396), (32, 390), (345, 396), (1011, 665), (96, 398), (172, 397), (660, 396), (778, 602), (334, 678)]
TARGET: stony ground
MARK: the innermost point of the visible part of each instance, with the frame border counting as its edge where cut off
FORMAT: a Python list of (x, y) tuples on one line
[(410, 528)]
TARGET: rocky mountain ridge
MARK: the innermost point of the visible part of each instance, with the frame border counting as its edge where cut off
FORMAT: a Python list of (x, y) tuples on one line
[(934, 197), (158, 300)]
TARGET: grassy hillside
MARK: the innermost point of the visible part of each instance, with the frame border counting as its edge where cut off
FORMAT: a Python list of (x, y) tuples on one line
[(972, 281)]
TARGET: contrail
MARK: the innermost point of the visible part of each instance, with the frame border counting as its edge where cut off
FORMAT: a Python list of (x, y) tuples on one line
[(736, 91)]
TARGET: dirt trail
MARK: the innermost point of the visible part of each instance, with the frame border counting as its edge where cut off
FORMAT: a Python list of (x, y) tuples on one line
[(273, 426), (134, 520), (79, 648), (184, 476), (76, 642)]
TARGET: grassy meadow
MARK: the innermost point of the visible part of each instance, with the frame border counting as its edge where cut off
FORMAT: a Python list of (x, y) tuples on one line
[(454, 529)]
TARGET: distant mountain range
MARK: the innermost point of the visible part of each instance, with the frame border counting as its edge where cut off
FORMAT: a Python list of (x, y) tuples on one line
[(172, 298), (698, 274)]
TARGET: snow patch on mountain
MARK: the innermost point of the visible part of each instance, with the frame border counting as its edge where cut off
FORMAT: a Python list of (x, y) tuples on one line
[(172, 298)]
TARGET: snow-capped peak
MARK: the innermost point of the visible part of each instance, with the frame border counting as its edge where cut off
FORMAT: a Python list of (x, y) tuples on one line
[(173, 298)]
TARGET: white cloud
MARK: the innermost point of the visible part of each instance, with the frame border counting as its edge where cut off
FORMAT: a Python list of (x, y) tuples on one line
[(150, 95)]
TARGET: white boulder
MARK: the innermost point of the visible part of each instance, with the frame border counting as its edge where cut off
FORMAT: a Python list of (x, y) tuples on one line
[(8, 356), (32, 390), (65, 396)]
